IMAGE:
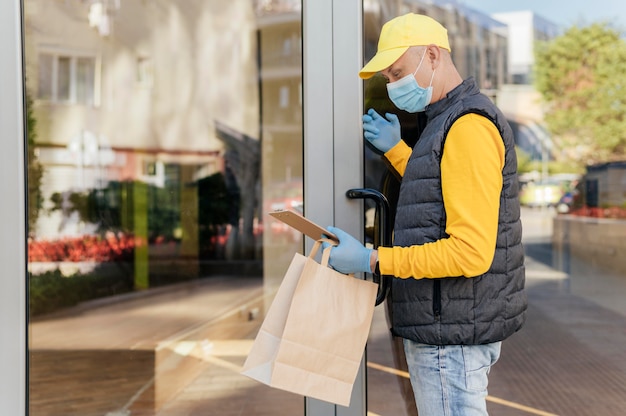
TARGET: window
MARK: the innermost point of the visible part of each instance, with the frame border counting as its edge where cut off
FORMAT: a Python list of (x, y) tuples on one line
[(67, 79)]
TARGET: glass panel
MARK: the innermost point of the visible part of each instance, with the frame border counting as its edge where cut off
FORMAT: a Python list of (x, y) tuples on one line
[(151, 258), (572, 214)]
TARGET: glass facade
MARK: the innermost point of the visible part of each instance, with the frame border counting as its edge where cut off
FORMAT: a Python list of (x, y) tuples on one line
[(141, 158), (163, 132)]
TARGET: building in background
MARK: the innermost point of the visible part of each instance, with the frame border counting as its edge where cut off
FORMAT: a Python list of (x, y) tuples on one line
[(525, 28), (479, 43), (519, 100), (140, 120)]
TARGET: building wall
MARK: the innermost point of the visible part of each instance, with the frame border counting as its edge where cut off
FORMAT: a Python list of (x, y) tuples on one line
[(158, 86), (167, 54), (524, 29), (605, 185)]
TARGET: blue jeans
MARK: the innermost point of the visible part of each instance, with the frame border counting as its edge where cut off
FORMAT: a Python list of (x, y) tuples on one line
[(450, 380)]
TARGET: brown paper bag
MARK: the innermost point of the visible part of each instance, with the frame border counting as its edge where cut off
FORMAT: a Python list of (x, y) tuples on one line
[(313, 337)]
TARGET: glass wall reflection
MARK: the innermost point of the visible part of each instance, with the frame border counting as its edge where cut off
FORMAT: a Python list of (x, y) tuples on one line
[(160, 135)]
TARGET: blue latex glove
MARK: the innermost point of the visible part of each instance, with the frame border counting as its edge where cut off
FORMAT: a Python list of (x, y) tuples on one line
[(383, 133), (349, 256)]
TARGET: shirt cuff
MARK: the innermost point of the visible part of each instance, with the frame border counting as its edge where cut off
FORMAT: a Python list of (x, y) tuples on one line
[(398, 156)]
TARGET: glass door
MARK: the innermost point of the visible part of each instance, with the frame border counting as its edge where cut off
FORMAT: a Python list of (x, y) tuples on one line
[(159, 136)]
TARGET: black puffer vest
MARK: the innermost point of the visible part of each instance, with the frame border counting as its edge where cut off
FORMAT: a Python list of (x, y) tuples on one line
[(457, 310)]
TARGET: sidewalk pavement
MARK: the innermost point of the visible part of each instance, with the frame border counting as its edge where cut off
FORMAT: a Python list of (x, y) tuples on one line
[(570, 357)]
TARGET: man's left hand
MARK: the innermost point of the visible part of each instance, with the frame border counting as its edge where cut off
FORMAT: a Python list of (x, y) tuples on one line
[(349, 256)]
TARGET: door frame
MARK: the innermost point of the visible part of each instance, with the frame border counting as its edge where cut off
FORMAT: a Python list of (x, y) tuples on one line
[(13, 361), (333, 137)]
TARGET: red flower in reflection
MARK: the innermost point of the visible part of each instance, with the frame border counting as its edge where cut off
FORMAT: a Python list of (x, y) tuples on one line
[(598, 212), (113, 247)]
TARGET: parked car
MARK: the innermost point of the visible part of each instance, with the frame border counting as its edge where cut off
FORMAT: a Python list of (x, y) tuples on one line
[(565, 203), (537, 194), (549, 192)]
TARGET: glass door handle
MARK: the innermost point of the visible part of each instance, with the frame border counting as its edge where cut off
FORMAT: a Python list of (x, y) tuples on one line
[(384, 231)]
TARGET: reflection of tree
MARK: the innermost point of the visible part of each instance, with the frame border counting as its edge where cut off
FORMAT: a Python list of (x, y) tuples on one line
[(35, 169), (243, 162), (111, 208)]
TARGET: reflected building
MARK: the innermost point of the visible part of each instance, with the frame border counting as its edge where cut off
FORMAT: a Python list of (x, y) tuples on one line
[(519, 100), (478, 42), (280, 85), (525, 28), (140, 101)]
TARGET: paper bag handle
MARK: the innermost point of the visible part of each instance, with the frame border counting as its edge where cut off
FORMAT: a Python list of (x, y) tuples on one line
[(325, 253), (326, 256)]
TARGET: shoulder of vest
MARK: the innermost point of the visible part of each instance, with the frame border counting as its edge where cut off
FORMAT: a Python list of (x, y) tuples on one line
[(464, 112)]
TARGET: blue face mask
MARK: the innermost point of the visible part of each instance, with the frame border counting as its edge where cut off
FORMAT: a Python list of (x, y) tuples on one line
[(406, 93)]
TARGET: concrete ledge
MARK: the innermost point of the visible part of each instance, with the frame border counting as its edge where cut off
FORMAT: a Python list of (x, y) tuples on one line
[(179, 360), (144, 351), (598, 241)]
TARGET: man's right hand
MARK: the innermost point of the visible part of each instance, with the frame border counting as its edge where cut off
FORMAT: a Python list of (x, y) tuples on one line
[(383, 133)]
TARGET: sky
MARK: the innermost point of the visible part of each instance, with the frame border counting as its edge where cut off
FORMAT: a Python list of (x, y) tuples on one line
[(564, 13)]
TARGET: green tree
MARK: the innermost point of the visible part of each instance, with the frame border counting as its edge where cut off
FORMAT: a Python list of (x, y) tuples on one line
[(35, 169), (581, 76)]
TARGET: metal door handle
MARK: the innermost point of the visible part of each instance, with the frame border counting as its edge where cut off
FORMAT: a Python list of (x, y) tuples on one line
[(384, 230)]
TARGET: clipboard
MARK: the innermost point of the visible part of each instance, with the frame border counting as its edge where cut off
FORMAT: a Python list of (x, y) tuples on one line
[(302, 224)]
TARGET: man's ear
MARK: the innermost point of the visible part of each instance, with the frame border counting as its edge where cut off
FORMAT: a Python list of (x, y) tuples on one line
[(434, 55)]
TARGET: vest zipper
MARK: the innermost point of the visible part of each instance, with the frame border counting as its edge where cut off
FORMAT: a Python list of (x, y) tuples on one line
[(437, 299)]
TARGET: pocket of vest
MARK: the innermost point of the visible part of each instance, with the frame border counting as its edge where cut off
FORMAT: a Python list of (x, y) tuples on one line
[(436, 299)]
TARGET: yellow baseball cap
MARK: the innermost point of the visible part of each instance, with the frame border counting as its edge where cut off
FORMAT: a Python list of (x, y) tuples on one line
[(400, 33)]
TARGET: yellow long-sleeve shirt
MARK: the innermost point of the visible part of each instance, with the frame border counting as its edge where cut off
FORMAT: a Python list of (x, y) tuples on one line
[(471, 181)]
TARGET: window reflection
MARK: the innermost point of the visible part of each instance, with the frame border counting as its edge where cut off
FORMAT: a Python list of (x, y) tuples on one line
[(165, 131)]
